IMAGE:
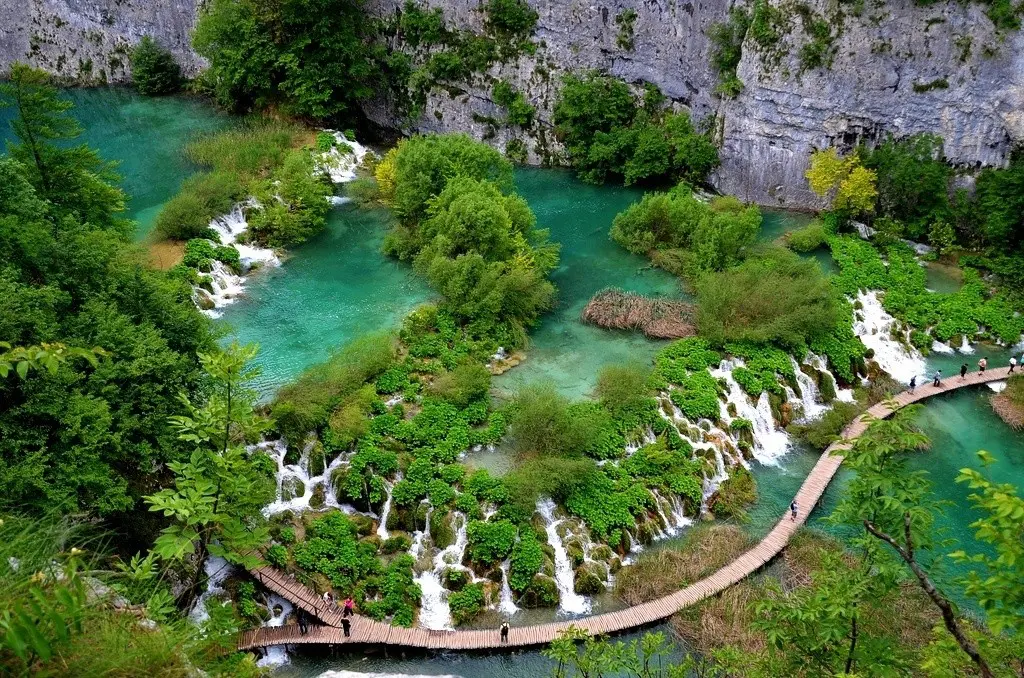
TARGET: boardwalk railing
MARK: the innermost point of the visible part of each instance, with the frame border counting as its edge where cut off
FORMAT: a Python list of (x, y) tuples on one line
[(368, 631)]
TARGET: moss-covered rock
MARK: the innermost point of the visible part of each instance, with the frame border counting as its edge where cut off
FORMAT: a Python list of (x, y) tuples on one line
[(339, 478), (601, 552), (587, 582), (291, 488), (319, 498), (396, 543), (467, 603), (574, 549), (317, 459), (647, 531), (826, 386), (442, 531), (454, 579), (614, 565), (364, 524), (542, 592)]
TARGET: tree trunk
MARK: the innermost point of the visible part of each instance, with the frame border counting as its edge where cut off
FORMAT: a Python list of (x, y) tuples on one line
[(948, 617), (853, 643)]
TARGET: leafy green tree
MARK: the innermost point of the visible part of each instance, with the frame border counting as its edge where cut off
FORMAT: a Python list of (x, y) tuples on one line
[(217, 494), (849, 185), (893, 506), (1000, 201), (74, 179), (154, 70), (912, 180), (312, 57), (293, 203), (22, 359)]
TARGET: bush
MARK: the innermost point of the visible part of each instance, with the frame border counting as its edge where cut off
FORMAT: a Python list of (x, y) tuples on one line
[(466, 604), (202, 198), (510, 18), (154, 70), (293, 203), (542, 423), (829, 427), (520, 111), (727, 40), (490, 542), (277, 556), (332, 549), (776, 297), (734, 495), (702, 236), (807, 238), (607, 132), (624, 390), (249, 151), (525, 562), (912, 180), (466, 383), (305, 404)]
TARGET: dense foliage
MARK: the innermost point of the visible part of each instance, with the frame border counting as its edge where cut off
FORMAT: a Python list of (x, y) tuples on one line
[(154, 70), (475, 242), (310, 57), (609, 132), (84, 437), (775, 297), (686, 235)]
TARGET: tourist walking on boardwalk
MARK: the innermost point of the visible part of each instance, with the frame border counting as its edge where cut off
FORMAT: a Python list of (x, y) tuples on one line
[(1013, 363), (937, 379), (982, 364), (792, 511), (504, 631), (963, 371), (346, 626), (349, 607), (913, 383), (303, 623)]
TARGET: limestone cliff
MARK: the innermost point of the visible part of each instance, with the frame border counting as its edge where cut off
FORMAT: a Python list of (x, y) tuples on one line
[(895, 67)]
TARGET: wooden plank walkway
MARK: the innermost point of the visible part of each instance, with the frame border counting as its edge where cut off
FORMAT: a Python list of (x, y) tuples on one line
[(368, 631)]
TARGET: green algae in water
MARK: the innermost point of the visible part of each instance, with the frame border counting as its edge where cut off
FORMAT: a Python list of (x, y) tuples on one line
[(562, 349), (146, 136), (329, 291)]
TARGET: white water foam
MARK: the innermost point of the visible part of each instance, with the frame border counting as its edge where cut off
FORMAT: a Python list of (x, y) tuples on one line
[(810, 399), (965, 346), (338, 165), (569, 601), (292, 474), (506, 604), (940, 347), (217, 571), (900, 361), (276, 655), (997, 386)]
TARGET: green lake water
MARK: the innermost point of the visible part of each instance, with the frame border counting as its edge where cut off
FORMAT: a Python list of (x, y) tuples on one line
[(338, 286), (144, 135)]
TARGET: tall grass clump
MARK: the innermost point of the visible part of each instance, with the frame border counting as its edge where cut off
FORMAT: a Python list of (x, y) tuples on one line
[(249, 151), (202, 198), (306, 403)]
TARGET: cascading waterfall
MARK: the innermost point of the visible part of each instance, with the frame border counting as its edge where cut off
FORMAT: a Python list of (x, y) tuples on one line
[(435, 612), (276, 655), (217, 571), (965, 346), (809, 400), (675, 521), (770, 442), (506, 604), (899, 360), (382, 526), (340, 163), (941, 347), (291, 476), (819, 363), (569, 602)]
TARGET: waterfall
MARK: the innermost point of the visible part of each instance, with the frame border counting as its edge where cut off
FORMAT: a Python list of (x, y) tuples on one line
[(506, 605), (416, 549), (940, 347), (675, 520), (997, 386), (276, 655), (435, 612), (341, 166), (770, 442), (900, 361), (965, 346), (217, 571), (292, 475), (569, 602), (382, 526), (809, 400)]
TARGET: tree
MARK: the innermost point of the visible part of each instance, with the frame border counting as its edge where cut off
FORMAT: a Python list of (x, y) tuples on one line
[(74, 179), (218, 492), (912, 180), (850, 184), (45, 356), (1001, 203), (894, 506), (154, 70), (293, 54)]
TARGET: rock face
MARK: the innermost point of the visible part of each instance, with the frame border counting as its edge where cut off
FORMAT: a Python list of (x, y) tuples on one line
[(88, 41), (895, 68)]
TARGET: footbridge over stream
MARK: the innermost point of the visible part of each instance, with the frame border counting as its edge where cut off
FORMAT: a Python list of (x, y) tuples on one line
[(367, 631)]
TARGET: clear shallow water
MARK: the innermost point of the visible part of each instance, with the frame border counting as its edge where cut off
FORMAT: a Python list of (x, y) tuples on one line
[(329, 291), (562, 349), (146, 136)]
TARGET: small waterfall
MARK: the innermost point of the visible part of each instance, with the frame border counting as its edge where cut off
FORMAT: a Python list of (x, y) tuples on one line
[(997, 386), (809, 400), (416, 549), (292, 475), (899, 360), (965, 346), (675, 520), (770, 442), (338, 165), (276, 655), (570, 602), (940, 347), (217, 571), (435, 612), (507, 604), (382, 526)]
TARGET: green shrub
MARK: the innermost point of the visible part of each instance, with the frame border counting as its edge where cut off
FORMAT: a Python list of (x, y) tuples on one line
[(202, 198), (829, 428), (293, 203), (625, 20), (703, 236), (277, 556), (466, 604), (807, 238), (490, 542), (332, 549), (736, 492), (154, 70), (608, 133), (776, 297), (249, 151), (727, 49), (463, 385), (525, 562), (520, 111), (510, 18), (325, 141), (912, 180)]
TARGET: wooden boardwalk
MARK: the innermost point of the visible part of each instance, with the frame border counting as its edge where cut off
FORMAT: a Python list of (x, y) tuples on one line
[(367, 631)]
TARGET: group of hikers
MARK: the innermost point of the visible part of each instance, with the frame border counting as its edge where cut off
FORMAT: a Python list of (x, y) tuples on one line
[(347, 610), (982, 364)]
